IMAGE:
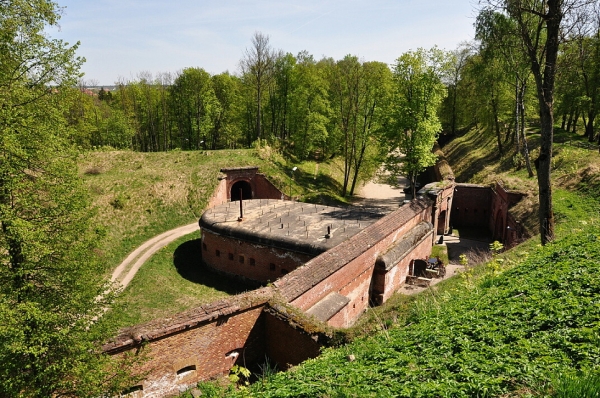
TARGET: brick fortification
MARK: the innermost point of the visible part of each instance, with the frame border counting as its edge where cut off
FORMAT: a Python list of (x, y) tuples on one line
[(286, 322), (327, 266)]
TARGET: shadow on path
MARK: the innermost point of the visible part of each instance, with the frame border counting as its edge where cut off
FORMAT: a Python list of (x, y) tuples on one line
[(187, 259), (457, 246)]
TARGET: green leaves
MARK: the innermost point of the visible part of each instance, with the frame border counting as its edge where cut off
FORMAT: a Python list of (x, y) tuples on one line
[(49, 278), (418, 93), (538, 319)]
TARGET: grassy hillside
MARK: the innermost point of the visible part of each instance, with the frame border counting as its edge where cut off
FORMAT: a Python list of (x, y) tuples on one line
[(526, 323), (137, 196), (475, 158)]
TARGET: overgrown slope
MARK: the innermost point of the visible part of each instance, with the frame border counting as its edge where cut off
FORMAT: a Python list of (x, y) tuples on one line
[(506, 333), (524, 324)]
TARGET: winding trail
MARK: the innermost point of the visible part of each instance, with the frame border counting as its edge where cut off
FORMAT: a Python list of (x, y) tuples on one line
[(125, 272)]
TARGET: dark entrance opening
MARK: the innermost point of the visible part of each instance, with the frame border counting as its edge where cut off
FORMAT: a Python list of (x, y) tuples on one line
[(441, 226), (246, 190)]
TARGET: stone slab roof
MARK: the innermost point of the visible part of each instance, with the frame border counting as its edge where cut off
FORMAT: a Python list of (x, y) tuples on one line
[(328, 307), (295, 226)]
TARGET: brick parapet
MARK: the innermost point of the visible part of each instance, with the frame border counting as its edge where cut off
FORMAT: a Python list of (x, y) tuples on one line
[(157, 329), (310, 277)]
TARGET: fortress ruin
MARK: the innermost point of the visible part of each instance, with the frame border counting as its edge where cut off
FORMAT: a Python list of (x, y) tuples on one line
[(319, 267)]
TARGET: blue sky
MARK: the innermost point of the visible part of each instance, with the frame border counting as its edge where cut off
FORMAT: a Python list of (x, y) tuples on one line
[(121, 38)]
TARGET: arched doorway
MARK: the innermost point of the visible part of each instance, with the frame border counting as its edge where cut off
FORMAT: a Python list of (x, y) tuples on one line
[(243, 187)]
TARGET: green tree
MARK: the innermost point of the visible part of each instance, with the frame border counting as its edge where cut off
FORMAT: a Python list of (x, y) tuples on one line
[(257, 69), (310, 109), (418, 92), (50, 280), (539, 24), (500, 45), (357, 93), (226, 117), (193, 105)]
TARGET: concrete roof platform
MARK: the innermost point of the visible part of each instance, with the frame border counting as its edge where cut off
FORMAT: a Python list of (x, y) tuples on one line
[(303, 227)]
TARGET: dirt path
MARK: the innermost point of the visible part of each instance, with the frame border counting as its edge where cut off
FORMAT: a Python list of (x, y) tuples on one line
[(125, 272), (378, 193)]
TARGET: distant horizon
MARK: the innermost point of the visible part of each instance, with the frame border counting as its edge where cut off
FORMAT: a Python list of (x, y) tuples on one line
[(122, 39)]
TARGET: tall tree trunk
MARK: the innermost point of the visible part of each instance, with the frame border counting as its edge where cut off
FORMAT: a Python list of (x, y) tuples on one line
[(522, 132), (570, 120), (575, 119), (589, 128), (517, 108), (497, 123)]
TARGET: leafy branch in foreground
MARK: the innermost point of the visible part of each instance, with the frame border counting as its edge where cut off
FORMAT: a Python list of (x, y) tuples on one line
[(50, 280)]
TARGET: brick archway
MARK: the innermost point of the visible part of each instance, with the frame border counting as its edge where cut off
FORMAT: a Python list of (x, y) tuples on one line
[(242, 187)]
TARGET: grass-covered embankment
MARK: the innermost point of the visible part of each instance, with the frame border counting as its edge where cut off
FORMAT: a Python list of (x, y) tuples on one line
[(507, 332), (525, 324)]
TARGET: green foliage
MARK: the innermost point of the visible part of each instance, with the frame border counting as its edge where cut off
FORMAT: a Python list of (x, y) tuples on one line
[(504, 335), (194, 105), (51, 285), (414, 127), (496, 247), (239, 375), (576, 385), (440, 251)]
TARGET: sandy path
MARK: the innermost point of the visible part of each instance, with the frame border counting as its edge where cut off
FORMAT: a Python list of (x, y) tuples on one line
[(125, 272), (376, 193)]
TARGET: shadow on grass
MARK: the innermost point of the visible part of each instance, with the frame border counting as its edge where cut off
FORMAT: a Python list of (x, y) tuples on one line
[(187, 259)]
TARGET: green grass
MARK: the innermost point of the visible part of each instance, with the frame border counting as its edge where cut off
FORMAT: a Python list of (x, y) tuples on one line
[(173, 280), (137, 196), (440, 251), (504, 332)]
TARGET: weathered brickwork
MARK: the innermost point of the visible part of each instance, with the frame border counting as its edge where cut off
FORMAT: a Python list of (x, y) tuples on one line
[(196, 344), (391, 267), (255, 262), (354, 270), (207, 341), (288, 343), (471, 206), (348, 268)]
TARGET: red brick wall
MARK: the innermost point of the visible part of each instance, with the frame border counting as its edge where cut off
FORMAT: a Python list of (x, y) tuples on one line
[(262, 271), (220, 195), (288, 345), (204, 346), (261, 187), (347, 268), (396, 276), (264, 189), (203, 337)]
